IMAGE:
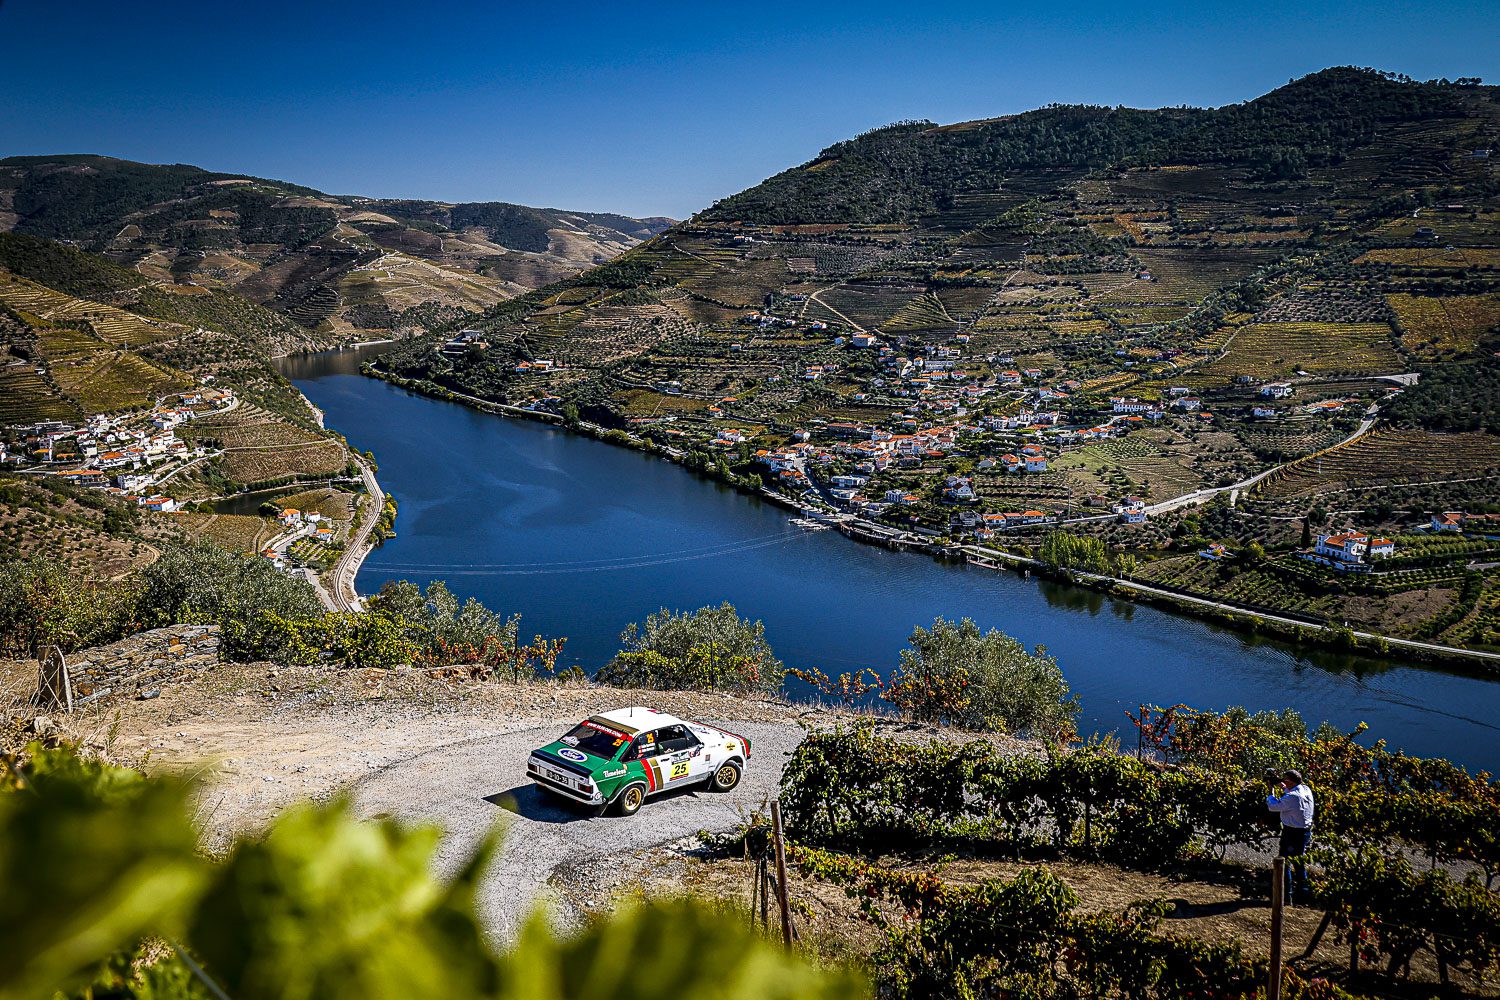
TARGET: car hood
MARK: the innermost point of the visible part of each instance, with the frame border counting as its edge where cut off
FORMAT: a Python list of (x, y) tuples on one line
[(571, 758)]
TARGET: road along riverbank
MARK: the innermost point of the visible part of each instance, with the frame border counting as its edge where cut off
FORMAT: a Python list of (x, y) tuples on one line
[(582, 539), (1256, 621)]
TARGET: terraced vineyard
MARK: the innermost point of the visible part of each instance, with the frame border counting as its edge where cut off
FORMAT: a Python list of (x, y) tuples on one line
[(110, 381), (116, 327), (1387, 456), (1268, 351), (236, 532), (1438, 325), (26, 396), (259, 452)]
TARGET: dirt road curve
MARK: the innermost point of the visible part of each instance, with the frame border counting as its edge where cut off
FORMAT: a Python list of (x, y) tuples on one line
[(469, 786)]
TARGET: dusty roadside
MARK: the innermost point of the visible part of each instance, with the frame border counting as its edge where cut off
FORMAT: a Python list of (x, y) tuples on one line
[(262, 736)]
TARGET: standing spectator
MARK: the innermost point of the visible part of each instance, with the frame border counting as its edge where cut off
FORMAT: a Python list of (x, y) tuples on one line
[(1295, 807)]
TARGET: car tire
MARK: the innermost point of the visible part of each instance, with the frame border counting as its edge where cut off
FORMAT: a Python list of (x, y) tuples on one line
[(726, 777), (630, 800)]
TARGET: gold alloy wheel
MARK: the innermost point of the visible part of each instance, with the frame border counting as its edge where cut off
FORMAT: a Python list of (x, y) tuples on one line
[(633, 798), (727, 777)]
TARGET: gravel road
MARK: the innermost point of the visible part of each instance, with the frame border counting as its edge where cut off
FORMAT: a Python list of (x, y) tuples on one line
[(468, 787)]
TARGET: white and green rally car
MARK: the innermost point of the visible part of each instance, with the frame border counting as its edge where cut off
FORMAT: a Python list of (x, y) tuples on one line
[(619, 758)]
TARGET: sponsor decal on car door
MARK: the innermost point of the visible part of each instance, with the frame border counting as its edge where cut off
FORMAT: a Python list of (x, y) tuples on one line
[(692, 760)]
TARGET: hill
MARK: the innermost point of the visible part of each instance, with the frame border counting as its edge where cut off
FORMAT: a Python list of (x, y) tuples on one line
[(1072, 310), (344, 267)]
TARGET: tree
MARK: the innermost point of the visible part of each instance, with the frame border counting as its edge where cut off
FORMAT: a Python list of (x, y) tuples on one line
[(204, 584), (707, 648), (1064, 550), (957, 674)]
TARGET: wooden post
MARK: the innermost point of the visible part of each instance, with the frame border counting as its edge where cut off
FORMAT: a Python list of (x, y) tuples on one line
[(765, 894), (1278, 903), (54, 684), (756, 883), (781, 893)]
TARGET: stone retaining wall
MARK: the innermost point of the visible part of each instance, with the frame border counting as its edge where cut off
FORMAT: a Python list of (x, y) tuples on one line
[(142, 663)]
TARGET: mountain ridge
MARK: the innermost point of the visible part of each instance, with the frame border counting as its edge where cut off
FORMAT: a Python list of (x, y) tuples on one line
[(344, 266)]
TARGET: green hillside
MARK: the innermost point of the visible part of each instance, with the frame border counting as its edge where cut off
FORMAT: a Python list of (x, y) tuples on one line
[(905, 171), (1313, 276)]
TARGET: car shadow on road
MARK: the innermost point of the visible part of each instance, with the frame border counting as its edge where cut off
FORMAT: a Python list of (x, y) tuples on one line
[(542, 807), (539, 806)]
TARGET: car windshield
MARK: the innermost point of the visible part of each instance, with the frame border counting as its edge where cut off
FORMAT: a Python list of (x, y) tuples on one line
[(594, 739)]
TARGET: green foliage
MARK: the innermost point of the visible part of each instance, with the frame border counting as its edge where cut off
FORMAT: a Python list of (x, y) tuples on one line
[(664, 950), (326, 906), (1389, 911), (65, 269), (711, 648), (41, 604), (93, 859), (851, 789), (441, 632), (245, 596), (1024, 937), (957, 674), (1065, 550), (1461, 396), (909, 169), (363, 639)]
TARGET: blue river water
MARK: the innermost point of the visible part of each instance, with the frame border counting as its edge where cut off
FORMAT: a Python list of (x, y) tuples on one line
[(582, 538)]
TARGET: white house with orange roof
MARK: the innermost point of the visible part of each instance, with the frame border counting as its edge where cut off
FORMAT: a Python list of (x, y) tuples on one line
[(1349, 551)]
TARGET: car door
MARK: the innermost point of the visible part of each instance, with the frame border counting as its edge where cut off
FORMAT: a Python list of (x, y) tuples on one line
[(680, 752)]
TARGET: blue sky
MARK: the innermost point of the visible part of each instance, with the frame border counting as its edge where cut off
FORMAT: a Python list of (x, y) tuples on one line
[(642, 108)]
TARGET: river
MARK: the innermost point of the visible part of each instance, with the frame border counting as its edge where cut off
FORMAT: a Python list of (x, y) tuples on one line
[(582, 538)]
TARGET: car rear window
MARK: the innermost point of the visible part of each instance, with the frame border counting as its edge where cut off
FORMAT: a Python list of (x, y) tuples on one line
[(591, 739)]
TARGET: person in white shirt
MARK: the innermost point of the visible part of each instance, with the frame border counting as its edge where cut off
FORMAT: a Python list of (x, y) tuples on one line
[(1295, 807)]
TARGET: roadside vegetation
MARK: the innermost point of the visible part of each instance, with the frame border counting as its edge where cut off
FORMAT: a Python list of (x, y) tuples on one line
[(108, 897), (1406, 861)]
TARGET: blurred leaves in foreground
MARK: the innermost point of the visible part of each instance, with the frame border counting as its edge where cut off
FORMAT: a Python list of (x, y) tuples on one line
[(103, 895)]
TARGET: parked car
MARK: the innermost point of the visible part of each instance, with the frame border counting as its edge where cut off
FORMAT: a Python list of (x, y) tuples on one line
[(619, 759)]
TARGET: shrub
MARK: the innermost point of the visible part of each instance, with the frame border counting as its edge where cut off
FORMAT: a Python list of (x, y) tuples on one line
[(711, 648), (41, 604), (955, 673), (323, 905)]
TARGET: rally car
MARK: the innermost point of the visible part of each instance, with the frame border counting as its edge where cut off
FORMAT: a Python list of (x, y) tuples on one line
[(620, 758)]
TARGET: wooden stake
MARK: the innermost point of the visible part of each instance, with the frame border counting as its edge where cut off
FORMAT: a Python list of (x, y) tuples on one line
[(1278, 904), (1317, 937), (781, 893), (765, 894), (756, 883)]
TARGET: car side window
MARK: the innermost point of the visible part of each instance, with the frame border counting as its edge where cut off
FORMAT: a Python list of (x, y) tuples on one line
[(676, 738), (646, 745)]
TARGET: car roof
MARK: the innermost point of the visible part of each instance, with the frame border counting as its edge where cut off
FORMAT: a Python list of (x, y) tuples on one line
[(638, 719)]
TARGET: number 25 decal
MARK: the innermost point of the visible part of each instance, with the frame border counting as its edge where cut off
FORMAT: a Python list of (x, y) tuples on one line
[(679, 770)]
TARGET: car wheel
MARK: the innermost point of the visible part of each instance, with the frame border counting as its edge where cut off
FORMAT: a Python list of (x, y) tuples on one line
[(726, 777), (630, 800)]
